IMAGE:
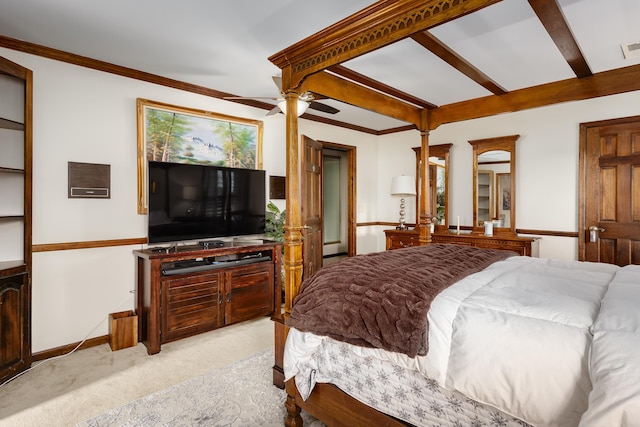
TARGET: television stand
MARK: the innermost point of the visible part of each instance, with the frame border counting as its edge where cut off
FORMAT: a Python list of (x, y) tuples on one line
[(192, 290)]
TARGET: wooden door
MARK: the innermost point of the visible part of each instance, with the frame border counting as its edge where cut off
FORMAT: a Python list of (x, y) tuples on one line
[(312, 207), (610, 163)]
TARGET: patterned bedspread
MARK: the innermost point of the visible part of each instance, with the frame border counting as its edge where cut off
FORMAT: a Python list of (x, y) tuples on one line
[(396, 391)]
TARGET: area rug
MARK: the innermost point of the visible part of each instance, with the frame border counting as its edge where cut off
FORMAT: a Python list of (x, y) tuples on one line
[(241, 395)]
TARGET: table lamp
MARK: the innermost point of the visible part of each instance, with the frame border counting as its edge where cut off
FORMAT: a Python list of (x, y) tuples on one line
[(402, 186)]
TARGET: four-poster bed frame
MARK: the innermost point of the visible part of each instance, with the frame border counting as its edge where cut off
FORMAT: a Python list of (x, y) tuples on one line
[(304, 68)]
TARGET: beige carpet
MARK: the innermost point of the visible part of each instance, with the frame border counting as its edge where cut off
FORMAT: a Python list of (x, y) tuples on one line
[(238, 395), (66, 391)]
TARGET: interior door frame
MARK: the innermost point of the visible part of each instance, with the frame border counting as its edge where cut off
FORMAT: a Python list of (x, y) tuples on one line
[(351, 191), (582, 174)]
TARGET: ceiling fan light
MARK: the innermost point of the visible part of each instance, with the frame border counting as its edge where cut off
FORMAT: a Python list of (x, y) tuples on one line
[(302, 106)]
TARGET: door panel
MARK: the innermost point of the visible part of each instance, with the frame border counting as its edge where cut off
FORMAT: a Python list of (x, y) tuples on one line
[(611, 196), (191, 303), (250, 291), (312, 207)]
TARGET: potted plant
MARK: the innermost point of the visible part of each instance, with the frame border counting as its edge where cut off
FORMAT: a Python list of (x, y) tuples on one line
[(274, 229), (275, 219)]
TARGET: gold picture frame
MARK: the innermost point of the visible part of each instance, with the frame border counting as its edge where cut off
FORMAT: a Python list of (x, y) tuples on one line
[(185, 135)]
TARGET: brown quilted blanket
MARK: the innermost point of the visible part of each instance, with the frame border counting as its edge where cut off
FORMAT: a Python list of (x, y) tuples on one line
[(382, 299)]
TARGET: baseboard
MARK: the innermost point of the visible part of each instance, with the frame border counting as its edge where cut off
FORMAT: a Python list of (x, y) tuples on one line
[(66, 349), (335, 255)]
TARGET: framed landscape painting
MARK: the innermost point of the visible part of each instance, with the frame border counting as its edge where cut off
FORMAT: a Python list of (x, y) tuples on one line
[(168, 133)]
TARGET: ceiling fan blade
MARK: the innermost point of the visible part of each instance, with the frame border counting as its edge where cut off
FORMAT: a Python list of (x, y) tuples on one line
[(323, 107), (278, 81), (274, 110)]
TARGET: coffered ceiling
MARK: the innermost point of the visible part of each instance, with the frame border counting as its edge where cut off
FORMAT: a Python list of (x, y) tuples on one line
[(225, 45)]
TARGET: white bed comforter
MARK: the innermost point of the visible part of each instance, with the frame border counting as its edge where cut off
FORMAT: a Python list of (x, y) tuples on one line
[(517, 336), (614, 364)]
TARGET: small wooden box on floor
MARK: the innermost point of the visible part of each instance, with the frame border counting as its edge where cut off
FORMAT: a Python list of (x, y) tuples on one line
[(123, 330)]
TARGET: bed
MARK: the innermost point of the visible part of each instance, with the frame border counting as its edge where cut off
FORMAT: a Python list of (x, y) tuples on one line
[(521, 341), (600, 328)]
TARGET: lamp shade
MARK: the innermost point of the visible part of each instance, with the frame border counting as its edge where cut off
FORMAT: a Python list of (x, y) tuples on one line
[(403, 185), (302, 107)]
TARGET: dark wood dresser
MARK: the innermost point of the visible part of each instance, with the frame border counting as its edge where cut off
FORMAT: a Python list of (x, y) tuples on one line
[(397, 239)]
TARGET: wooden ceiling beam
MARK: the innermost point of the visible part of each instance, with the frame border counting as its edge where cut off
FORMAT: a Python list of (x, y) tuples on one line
[(553, 20), (606, 83), (376, 26), (352, 93), (347, 73), (438, 48)]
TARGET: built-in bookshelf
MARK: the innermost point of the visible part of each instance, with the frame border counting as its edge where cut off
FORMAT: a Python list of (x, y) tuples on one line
[(15, 218)]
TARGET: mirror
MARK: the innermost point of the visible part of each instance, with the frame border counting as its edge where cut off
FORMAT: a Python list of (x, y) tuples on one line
[(494, 161), (438, 182)]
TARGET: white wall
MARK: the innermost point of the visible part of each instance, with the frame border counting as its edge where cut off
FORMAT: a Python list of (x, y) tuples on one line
[(547, 163), (395, 157)]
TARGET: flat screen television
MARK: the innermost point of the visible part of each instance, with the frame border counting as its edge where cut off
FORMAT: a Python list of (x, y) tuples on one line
[(192, 202)]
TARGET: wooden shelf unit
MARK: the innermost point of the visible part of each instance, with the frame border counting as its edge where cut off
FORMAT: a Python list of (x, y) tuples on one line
[(15, 218), (233, 283)]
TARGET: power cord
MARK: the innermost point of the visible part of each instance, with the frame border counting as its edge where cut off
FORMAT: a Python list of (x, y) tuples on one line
[(66, 354)]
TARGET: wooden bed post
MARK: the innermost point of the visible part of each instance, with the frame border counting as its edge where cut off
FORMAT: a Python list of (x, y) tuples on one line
[(293, 225), (424, 227), (292, 234), (293, 418), (292, 259)]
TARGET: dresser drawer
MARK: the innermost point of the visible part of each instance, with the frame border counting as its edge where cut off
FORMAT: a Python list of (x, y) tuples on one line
[(398, 239)]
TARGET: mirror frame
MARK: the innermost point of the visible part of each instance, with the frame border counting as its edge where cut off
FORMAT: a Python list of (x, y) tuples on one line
[(438, 150), (480, 146)]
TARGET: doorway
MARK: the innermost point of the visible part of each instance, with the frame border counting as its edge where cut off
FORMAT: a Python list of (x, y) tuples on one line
[(334, 203), (609, 223), (338, 200), (313, 200)]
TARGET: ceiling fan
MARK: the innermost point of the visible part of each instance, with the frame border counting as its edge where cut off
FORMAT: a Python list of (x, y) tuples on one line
[(308, 97)]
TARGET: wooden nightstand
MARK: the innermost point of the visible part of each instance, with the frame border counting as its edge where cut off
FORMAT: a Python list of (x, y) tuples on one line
[(397, 239)]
